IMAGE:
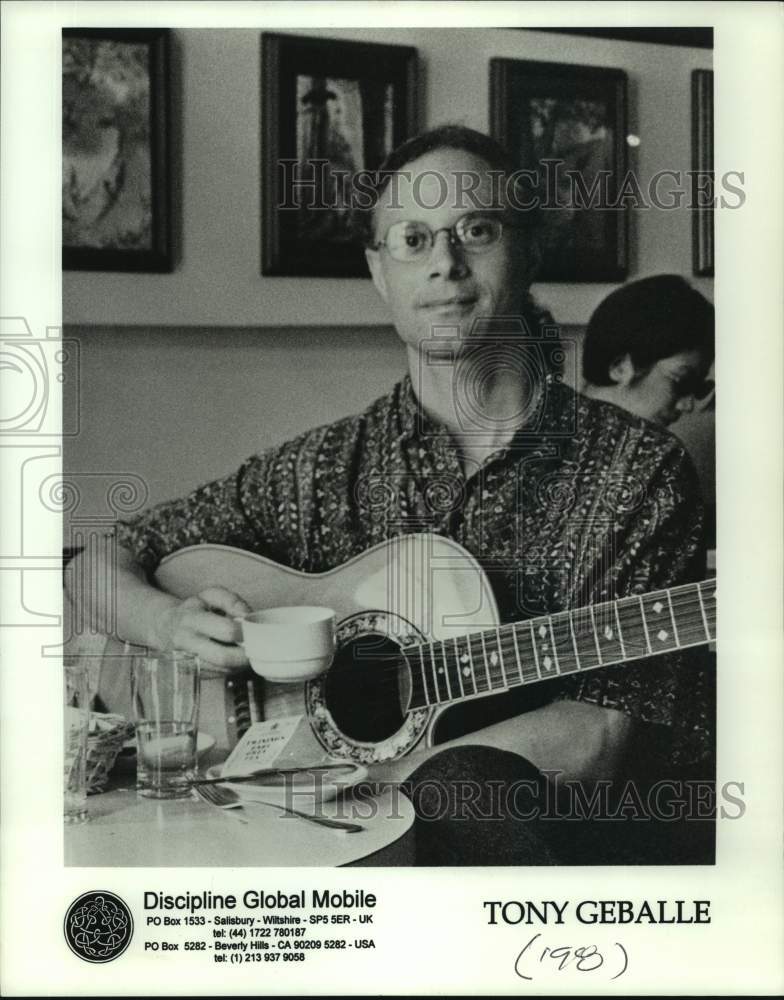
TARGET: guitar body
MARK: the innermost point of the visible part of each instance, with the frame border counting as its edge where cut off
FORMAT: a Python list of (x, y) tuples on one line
[(402, 592), (417, 633)]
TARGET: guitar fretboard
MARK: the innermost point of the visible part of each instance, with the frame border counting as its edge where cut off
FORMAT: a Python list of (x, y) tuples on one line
[(568, 642)]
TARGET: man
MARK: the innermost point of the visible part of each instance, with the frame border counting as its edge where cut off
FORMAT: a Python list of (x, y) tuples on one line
[(562, 500), (649, 347)]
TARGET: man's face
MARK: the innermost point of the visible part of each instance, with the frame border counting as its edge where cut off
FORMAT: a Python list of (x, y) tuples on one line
[(668, 388), (449, 287)]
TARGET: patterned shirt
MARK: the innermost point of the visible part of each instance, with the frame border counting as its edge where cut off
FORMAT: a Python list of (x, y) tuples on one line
[(586, 503)]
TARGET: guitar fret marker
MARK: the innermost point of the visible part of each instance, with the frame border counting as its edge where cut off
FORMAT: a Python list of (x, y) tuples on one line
[(555, 647), (471, 661), (595, 636), (658, 607), (620, 634), (458, 660), (608, 633), (661, 635), (424, 675), (574, 642), (672, 616), (645, 626), (501, 653), (445, 670), (485, 658), (435, 673), (536, 653), (517, 654)]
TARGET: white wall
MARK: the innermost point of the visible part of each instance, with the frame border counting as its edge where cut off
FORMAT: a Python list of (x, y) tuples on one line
[(179, 407), (218, 280)]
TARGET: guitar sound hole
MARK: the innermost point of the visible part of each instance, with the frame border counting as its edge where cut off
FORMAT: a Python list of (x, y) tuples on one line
[(367, 688)]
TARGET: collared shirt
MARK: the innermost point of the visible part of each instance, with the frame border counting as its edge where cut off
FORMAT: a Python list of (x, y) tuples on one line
[(586, 503)]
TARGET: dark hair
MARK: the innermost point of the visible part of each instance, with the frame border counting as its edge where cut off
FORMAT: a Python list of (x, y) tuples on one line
[(649, 319), (448, 136)]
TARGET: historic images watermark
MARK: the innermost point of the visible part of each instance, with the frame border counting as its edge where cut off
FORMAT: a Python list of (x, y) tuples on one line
[(317, 184)]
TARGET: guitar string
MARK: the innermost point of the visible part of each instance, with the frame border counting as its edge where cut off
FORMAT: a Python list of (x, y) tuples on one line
[(502, 641), (386, 677), (693, 634)]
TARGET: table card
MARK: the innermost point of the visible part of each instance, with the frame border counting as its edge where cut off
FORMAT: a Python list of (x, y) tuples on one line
[(262, 745)]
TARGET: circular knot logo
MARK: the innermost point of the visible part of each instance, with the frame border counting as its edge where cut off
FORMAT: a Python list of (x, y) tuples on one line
[(98, 926)]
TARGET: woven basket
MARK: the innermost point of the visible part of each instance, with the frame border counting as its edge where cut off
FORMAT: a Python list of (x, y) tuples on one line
[(107, 735)]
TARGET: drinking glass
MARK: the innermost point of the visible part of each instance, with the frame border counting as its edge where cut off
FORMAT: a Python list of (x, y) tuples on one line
[(165, 691), (76, 726)]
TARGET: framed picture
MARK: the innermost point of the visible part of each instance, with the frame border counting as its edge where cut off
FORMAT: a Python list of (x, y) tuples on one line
[(331, 112), (116, 158), (702, 165), (567, 125)]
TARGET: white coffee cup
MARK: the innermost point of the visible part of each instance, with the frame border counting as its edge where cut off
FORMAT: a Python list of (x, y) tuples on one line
[(289, 645)]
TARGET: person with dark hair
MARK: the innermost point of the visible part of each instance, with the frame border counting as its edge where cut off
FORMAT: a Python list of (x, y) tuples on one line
[(564, 502), (649, 347)]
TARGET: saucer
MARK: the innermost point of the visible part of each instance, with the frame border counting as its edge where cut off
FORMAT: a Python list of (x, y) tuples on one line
[(297, 790), (204, 742)]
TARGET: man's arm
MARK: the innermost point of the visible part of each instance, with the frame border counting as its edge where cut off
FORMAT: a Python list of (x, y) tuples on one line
[(234, 511), (150, 617), (578, 740)]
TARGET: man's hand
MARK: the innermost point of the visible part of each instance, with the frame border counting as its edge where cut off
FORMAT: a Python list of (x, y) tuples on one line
[(205, 625)]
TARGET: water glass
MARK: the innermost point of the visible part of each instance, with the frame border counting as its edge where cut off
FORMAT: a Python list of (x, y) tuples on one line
[(76, 727), (165, 692)]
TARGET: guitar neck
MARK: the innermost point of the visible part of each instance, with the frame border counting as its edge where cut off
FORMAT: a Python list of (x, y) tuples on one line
[(569, 642)]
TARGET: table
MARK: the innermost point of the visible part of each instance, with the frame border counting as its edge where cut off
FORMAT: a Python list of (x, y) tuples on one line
[(126, 830)]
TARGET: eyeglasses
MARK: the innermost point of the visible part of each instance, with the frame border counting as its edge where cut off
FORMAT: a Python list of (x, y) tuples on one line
[(693, 385), (410, 242)]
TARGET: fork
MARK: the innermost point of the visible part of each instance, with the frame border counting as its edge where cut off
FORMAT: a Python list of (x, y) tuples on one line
[(227, 798), (222, 798)]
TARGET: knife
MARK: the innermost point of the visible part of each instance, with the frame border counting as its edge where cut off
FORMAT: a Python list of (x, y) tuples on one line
[(270, 772)]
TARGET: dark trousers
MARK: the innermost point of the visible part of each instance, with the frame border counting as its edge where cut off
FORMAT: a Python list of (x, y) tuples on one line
[(480, 806)]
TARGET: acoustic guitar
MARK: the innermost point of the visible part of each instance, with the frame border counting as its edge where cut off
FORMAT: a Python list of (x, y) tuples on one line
[(418, 634)]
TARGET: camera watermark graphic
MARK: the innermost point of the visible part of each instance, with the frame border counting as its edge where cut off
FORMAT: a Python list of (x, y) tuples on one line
[(40, 405), (498, 347), (32, 368), (37, 372)]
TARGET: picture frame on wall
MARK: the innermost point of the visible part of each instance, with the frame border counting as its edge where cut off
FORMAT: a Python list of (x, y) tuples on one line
[(702, 242), (116, 171), (566, 126), (331, 112)]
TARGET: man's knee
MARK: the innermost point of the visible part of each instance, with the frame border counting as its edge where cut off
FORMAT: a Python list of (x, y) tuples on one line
[(477, 805)]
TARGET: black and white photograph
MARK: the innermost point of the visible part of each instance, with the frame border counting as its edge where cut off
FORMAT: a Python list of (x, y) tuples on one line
[(390, 490), (499, 524)]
